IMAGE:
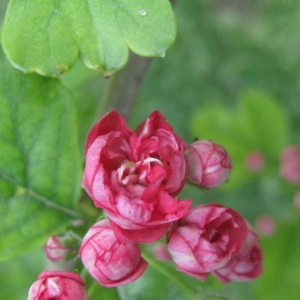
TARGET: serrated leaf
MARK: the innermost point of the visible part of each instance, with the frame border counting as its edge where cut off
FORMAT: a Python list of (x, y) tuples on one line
[(40, 163), (47, 36)]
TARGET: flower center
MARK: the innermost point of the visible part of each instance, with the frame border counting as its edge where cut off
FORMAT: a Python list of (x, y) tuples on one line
[(142, 172)]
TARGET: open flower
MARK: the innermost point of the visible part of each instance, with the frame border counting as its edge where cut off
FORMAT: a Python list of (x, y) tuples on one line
[(135, 175), (111, 260), (58, 285), (206, 239)]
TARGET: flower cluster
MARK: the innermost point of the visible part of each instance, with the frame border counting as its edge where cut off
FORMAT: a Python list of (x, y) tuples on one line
[(135, 176)]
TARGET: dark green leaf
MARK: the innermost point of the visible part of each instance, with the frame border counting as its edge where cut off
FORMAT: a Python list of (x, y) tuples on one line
[(40, 164)]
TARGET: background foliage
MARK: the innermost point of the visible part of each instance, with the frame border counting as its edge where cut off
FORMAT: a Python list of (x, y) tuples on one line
[(224, 53)]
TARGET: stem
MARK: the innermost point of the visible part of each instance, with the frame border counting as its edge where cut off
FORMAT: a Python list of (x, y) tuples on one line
[(122, 88), (192, 293)]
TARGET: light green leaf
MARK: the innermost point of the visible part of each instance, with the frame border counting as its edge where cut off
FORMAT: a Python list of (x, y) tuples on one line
[(47, 36), (281, 275), (162, 281), (257, 123), (40, 165), (18, 274), (266, 120)]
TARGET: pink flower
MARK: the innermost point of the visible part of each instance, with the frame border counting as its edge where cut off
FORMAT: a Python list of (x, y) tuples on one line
[(209, 164), (245, 265), (135, 175), (111, 260), (290, 164), (55, 250), (255, 161), (58, 285), (206, 239)]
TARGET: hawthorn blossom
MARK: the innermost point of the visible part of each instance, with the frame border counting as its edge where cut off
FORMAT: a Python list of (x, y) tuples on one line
[(135, 175)]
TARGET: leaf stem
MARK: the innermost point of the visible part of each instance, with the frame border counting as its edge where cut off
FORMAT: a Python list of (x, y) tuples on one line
[(122, 88), (191, 292)]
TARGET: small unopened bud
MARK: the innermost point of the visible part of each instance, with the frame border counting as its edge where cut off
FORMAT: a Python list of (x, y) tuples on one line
[(290, 164), (209, 164), (255, 161), (297, 200), (62, 247), (265, 225)]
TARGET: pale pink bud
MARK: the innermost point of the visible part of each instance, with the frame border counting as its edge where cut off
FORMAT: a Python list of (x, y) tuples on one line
[(297, 200), (290, 164), (111, 260), (255, 161), (290, 152), (209, 164), (245, 265), (58, 285), (62, 247), (265, 225), (55, 251), (206, 239)]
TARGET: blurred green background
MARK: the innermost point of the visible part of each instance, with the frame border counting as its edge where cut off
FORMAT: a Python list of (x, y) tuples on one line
[(226, 51)]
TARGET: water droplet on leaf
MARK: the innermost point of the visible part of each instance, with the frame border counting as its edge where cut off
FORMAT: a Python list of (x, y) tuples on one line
[(143, 12)]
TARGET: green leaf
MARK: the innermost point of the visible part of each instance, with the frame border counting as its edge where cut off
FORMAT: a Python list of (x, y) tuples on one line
[(18, 274), (281, 275), (47, 36), (40, 164), (162, 281), (266, 120), (257, 123)]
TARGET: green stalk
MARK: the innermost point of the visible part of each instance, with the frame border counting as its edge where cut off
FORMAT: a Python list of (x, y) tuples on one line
[(191, 292)]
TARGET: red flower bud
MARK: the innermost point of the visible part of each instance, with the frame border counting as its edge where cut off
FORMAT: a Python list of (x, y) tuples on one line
[(209, 164), (290, 164), (206, 239), (245, 265), (58, 285), (111, 260), (255, 161)]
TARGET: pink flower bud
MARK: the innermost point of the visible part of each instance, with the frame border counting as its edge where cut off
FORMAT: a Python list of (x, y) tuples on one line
[(255, 161), (209, 164), (265, 225), (290, 164), (54, 249), (206, 239), (58, 285), (245, 265), (62, 247), (297, 200), (111, 260)]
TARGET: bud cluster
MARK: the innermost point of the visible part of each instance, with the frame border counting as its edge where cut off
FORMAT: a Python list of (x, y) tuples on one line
[(135, 176)]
